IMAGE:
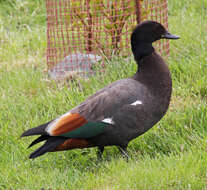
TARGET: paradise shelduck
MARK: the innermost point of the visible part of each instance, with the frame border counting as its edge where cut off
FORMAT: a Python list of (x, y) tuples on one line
[(119, 112)]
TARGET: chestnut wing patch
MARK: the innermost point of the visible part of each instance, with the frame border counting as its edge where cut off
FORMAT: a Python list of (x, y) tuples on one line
[(73, 125)]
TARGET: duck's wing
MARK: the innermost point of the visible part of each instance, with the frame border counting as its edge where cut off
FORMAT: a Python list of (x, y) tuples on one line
[(85, 121)]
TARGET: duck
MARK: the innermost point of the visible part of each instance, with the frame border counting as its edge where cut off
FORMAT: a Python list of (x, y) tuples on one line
[(119, 112)]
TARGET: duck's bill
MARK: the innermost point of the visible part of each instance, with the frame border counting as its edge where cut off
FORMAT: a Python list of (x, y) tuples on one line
[(167, 35)]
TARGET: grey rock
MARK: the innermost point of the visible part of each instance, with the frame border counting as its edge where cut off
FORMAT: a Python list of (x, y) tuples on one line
[(78, 64)]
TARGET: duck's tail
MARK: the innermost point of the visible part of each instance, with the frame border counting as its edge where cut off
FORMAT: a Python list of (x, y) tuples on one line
[(51, 141)]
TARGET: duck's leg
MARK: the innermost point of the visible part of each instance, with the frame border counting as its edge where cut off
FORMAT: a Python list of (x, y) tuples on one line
[(123, 150), (100, 152)]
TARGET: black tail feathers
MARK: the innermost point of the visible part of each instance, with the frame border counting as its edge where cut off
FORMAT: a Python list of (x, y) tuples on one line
[(50, 144), (40, 130), (51, 141), (39, 139)]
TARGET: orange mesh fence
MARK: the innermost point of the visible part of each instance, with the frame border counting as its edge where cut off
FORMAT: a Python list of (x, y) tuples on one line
[(82, 33)]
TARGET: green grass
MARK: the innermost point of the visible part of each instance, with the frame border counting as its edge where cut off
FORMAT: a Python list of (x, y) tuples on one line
[(172, 155)]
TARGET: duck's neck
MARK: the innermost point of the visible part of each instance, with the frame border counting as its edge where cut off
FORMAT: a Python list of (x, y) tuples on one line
[(141, 50), (154, 74)]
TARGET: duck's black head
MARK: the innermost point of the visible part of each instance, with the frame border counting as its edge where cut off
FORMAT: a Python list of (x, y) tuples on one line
[(144, 35)]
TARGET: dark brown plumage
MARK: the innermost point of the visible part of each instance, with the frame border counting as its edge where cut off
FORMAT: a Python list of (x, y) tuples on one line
[(122, 110)]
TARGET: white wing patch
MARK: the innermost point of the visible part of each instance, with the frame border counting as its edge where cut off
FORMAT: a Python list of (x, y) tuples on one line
[(64, 115), (136, 103), (51, 125), (108, 120)]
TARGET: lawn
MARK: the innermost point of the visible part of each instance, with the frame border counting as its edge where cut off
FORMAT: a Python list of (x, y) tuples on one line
[(172, 155)]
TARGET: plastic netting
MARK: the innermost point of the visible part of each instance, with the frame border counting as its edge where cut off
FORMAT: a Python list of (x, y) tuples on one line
[(82, 33)]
